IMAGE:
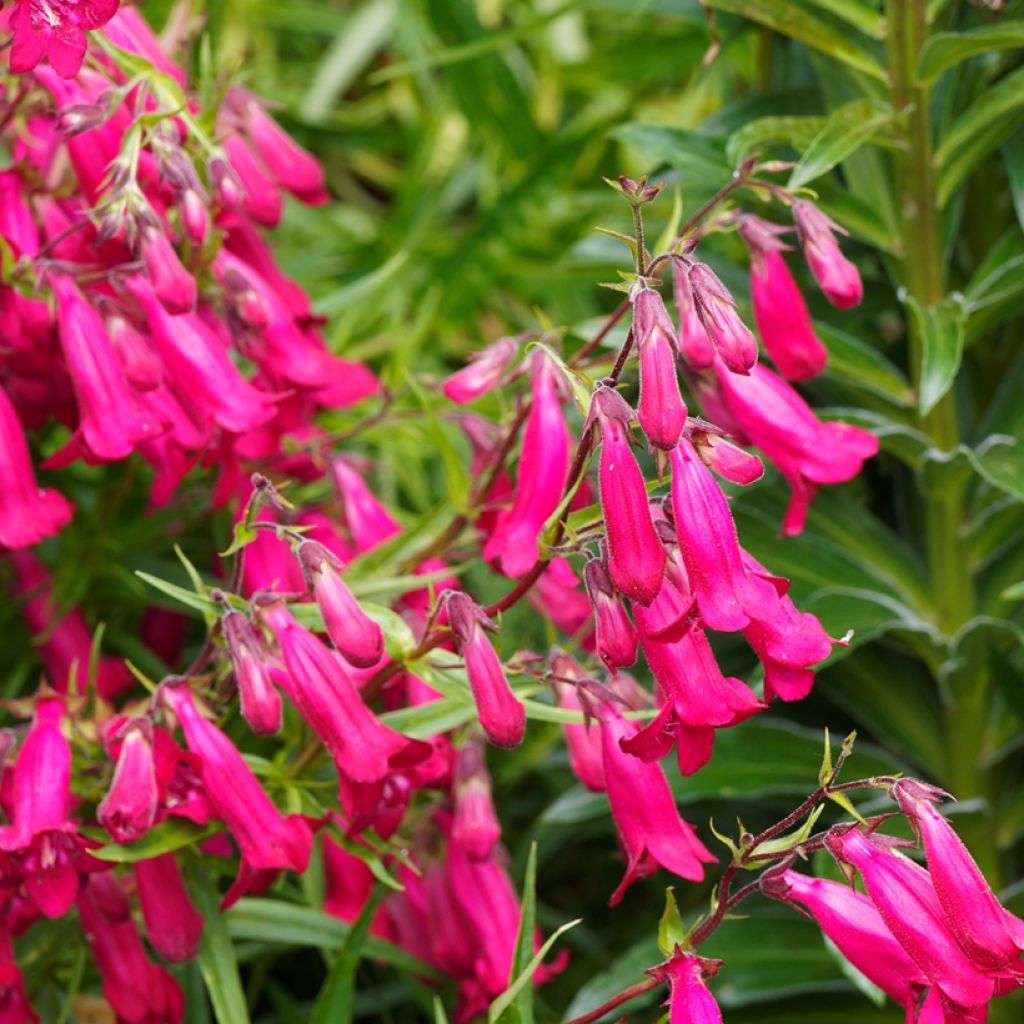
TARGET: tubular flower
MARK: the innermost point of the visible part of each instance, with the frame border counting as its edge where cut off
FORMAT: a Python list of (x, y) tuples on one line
[(991, 936), (616, 635), (55, 29), (904, 895), (501, 713), (475, 827), (484, 371), (172, 284), (652, 832), (128, 810), (268, 841), (661, 410), (14, 1005), (726, 459), (173, 924), (733, 342), (689, 1000), (358, 638), (771, 416), (291, 166), (727, 595), (543, 467), (780, 311), (671, 613), (28, 512), (837, 276), (636, 558), (261, 703), (583, 741), (694, 343)]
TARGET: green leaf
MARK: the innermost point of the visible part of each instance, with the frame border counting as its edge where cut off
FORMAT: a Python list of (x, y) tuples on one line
[(172, 834), (858, 14), (845, 131), (217, 957), (796, 131), (945, 49), (995, 292), (789, 19), (694, 152), (180, 594), (335, 1003), (1000, 460), (671, 930), (521, 1010), (941, 329), (623, 970), (501, 1005), (855, 361)]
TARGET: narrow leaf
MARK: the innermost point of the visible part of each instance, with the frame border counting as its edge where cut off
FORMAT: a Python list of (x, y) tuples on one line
[(846, 130), (944, 49), (941, 329), (217, 957)]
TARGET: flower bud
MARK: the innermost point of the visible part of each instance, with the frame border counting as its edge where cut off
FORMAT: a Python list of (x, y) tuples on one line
[(172, 284), (129, 808), (717, 309), (475, 827), (661, 410), (689, 1000), (173, 925), (616, 638), (195, 217), (483, 372), (694, 343), (261, 703), (837, 276), (224, 183), (726, 459)]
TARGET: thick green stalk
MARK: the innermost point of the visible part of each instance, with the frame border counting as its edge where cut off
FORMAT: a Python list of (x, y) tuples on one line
[(948, 553)]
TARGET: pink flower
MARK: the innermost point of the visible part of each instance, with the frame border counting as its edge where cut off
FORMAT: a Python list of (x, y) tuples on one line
[(904, 895), (268, 841), (261, 198), (28, 512), (138, 991), (636, 558), (173, 924), (661, 410), (358, 638), (475, 827), (779, 308), (733, 341), (726, 459), (836, 275), (291, 166), (652, 832), (368, 521), (501, 713), (14, 1005), (689, 1000), (195, 216), (128, 810), (694, 342), (991, 936), (672, 612), (55, 29), (172, 284), (774, 418), (583, 741), (727, 595), (851, 921), (261, 703), (543, 467), (486, 368), (616, 635)]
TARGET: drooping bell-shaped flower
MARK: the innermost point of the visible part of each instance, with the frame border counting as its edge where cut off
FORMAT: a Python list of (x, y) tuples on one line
[(129, 808), (28, 512), (636, 558), (837, 276), (475, 826), (261, 703), (734, 343), (726, 594), (543, 467), (616, 635), (652, 832), (485, 369), (501, 713), (780, 311), (173, 924), (989, 934), (661, 410), (689, 1000), (904, 895), (55, 29), (694, 343), (358, 638)]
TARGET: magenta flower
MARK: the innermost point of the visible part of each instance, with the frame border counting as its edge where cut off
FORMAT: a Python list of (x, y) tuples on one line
[(694, 343), (138, 991), (28, 512), (128, 810), (779, 309), (261, 703), (636, 558), (368, 521), (501, 713), (173, 924), (14, 1005), (652, 832), (616, 635), (268, 841), (543, 467), (775, 419), (195, 216), (291, 166), (661, 410), (726, 459), (261, 198), (475, 826), (991, 936), (364, 750), (358, 638), (904, 895), (485, 369), (837, 276), (732, 339), (583, 741), (727, 595), (672, 612), (172, 284), (55, 29), (851, 921), (689, 1000)]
